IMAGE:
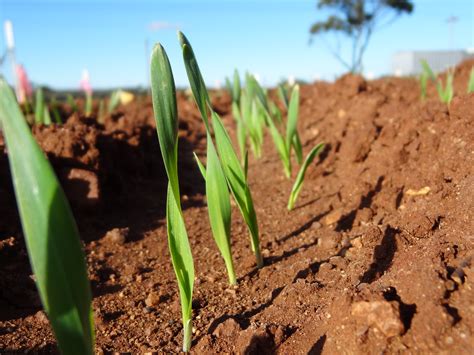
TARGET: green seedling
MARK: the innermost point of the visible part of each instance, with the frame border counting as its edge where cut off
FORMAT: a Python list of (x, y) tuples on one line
[(55, 111), (470, 84), (39, 106), (292, 137), (445, 93), (51, 234), (236, 176), (114, 101), (233, 87), (71, 102), (46, 116), (283, 95), (166, 117), (282, 148), (88, 105), (241, 130), (298, 184), (101, 112)]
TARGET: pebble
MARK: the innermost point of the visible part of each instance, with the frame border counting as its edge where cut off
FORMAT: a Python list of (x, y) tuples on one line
[(153, 299), (228, 328), (333, 217), (382, 315), (117, 235)]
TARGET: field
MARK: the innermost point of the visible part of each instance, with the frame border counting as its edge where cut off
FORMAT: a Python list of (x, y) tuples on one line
[(376, 257)]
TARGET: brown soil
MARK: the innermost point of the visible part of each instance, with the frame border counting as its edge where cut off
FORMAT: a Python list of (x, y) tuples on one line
[(377, 256)]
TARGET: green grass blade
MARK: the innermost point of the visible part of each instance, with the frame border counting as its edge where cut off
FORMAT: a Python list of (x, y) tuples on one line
[(298, 184), (202, 168), (470, 84), (88, 106), (449, 88), (298, 147), (55, 111), (427, 70), (39, 106), (51, 235), (101, 112), (46, 116), (237, 181), (236, 88), (163, 93), (182, 261), (71, 102), (229, 88), (114, 101), (218, 201), (283, 95), (283, 150), (196, 80), (292, 122), (275, 112)]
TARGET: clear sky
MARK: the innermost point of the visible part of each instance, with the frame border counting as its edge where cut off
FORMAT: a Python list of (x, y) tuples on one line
[(56, 39)]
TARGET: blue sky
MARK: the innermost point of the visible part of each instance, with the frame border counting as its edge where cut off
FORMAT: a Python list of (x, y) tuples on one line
[(56, 39)]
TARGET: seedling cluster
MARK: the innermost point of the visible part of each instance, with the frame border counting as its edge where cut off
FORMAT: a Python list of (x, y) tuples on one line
[(51, 234)]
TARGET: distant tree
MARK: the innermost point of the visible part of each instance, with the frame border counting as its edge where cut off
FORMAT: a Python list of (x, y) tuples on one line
[(357, 19)]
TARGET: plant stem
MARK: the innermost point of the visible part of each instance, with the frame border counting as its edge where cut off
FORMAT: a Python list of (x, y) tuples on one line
[(188, 332)]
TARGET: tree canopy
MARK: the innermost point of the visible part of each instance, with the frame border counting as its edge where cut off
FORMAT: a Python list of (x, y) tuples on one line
[(357, 20)]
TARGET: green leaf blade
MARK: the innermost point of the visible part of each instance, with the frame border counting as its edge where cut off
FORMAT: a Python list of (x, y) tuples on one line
[(51, 233), (298, 184), (218, 201)]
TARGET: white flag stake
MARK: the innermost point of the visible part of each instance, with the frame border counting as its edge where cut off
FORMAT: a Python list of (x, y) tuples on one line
[(10, 39)]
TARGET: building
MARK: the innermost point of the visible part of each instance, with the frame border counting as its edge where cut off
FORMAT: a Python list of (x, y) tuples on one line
[(408, 62)]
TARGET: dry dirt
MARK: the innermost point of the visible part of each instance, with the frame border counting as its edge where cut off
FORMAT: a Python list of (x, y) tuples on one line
[(377, 257)]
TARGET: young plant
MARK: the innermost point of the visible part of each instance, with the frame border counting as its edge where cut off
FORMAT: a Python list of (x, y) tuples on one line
[(470, 84), (166, 117), (51, 234), (292, 136), (236, 176), (71, 102), (88, 104), (298, 184), (114, 101), (445, 93), (39, 106), (55, 111)]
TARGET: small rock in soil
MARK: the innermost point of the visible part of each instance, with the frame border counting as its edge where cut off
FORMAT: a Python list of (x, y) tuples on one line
[(228, 328), (117, 235), (333, 217), (380, 314), (41, 317), (153, 299)]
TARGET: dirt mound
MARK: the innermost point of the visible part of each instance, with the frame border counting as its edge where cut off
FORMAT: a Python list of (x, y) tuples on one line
[(376, 257)]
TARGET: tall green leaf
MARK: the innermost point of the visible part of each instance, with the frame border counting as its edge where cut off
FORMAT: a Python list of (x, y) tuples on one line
[(237, 180), (291, 124), (218, 201), (298, 184), (236, 89), (51, 235), (196, 80), (166, 117)]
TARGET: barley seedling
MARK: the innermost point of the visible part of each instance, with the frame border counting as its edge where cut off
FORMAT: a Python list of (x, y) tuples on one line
[(298, 184), (166, 117), (236, 176)]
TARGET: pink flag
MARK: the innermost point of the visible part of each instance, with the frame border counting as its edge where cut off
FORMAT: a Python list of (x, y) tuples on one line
[(24, 91), (85, 82)]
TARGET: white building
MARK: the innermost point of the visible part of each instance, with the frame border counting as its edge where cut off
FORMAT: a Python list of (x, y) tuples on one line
[(408, 62)]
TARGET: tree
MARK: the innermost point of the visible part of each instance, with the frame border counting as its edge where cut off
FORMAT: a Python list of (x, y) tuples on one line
[(357, 19)]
